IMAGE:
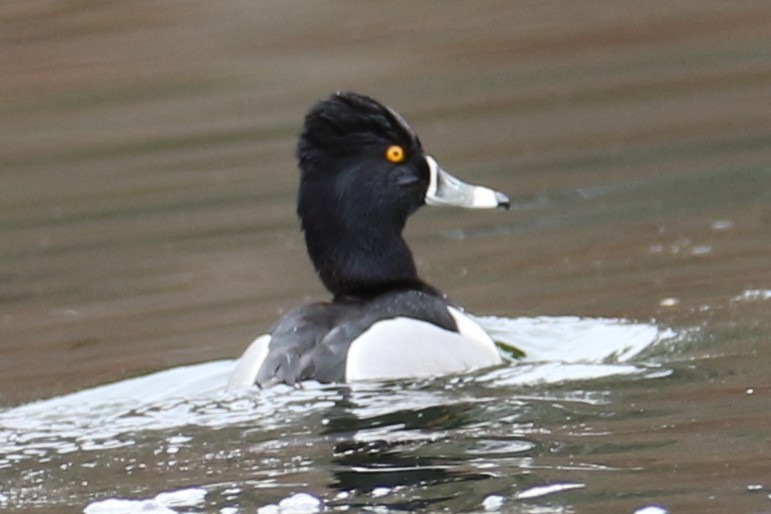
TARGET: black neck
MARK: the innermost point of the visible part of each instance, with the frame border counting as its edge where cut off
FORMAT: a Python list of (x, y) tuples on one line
[(358, 256), (356, 263)]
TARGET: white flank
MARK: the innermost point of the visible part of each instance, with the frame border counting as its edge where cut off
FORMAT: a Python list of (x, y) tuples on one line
[(409, 348)]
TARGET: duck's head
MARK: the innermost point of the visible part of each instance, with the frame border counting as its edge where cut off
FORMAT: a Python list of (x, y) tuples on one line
[(363, 172)]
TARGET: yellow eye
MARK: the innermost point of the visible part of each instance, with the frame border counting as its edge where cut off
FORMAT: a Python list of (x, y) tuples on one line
[(395, 153)]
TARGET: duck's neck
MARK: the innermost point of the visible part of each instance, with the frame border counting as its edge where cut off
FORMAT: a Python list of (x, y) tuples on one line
[(359, 257)]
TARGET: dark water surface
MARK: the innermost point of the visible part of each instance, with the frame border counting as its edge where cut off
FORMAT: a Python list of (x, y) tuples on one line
[(147, 222)]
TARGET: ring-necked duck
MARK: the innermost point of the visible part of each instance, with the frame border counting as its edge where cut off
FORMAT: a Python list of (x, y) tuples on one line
[(363, 173)]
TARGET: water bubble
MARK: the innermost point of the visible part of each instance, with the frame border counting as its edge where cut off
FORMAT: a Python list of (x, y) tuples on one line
[(118, 506), (722, 224), (493, 502), (178, 439), (300, 503), (753, 295), (656, 248), (543, 490), (701, 250), (182, 498), (652, 509), (380, 491)]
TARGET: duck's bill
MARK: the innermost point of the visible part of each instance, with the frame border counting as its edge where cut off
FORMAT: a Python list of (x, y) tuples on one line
[(444, 189)]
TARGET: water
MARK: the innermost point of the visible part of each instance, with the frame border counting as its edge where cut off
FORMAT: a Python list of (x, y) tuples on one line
[(392, 444), (147, 236)]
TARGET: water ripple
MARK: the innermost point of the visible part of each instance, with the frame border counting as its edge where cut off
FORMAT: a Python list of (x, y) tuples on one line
[(417, 437)]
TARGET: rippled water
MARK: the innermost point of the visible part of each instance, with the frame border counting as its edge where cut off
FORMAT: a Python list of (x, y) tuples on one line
[(148, 235), (398, 444)]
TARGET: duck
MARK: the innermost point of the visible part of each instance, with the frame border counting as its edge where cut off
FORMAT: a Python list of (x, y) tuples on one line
[(363, 173)]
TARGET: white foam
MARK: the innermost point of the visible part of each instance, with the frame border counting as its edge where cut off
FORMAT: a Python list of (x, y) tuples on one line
[(652, 509), (300, 503), (161, 504), (493, 502), (752, 295), (543, 490), (571, 339)]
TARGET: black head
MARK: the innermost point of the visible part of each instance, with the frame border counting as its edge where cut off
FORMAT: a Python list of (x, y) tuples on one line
[(363, 172), (365, 153)]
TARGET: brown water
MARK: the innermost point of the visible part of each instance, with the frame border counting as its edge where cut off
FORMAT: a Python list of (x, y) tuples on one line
[(147, 195)]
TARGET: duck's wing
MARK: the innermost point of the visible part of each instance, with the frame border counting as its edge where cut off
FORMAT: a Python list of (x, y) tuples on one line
[(294, 351), (284, 355)]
